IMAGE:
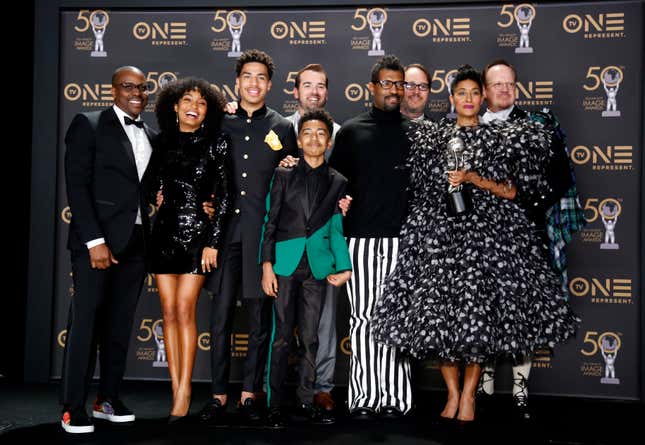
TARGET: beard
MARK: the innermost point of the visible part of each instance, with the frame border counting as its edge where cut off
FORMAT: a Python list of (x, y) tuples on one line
[(387, 106)]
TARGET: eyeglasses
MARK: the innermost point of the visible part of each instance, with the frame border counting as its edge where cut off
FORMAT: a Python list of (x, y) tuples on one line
[(387, 84), (421, 86), (500, 85), (142, 87)]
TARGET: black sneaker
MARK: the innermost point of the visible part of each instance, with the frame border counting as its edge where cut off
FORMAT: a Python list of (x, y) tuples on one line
[(275, 419), (76, 422), (213, 412), (250, 410), (112, 410)]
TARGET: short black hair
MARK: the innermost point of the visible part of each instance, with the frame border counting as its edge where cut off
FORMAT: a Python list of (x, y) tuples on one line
[(312, 67), (121, 69), (254, 55), (466, 72), (389, 62), (172, 93), (498, 62), (419, 67), (317, 115)]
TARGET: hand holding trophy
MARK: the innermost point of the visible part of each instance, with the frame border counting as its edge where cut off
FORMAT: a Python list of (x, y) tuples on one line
[(458, 198)]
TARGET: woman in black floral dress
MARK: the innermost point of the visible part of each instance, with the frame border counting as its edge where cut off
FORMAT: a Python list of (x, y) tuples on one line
[(472, 287)]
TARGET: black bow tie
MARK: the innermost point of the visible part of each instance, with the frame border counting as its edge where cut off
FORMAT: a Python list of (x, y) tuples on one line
[(129, 121)]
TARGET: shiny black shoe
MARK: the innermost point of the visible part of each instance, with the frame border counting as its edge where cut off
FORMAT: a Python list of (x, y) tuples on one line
[(275, 419), (213, 412), (316, 415), (177, 420), (362, 413), (250, 410), (521, 409), (390, 412)]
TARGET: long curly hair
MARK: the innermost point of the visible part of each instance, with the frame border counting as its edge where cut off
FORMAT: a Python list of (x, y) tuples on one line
[(173, 91)]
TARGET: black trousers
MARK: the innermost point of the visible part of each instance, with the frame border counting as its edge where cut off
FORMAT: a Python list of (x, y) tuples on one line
[(289, 307), (101, 314), (222, 315)]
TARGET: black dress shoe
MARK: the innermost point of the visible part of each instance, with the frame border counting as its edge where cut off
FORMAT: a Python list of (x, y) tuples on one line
[(521, 409), (177, 420), (213, 412), (316, 415), (390, 412), (250, 410), (362, 413), (275, 419)]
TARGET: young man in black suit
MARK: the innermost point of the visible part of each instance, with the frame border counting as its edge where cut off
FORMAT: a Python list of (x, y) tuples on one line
[(105, 164)]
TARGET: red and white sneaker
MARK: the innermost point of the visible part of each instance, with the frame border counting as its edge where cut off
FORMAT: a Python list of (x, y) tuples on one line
[(112, 410), (76, 422)]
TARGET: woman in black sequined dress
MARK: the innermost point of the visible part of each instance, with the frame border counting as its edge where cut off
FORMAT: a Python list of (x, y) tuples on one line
[(472, 287), (191, 164)]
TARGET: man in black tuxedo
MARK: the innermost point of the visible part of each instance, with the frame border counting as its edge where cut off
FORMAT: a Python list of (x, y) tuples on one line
[(105, 164)]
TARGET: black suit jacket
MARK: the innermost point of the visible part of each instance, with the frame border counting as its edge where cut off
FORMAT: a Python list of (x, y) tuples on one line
[(103, 187)]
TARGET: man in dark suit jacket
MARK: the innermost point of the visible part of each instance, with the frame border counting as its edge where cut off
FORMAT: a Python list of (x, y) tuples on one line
[(260, 138), (303, 244), (105, 164)]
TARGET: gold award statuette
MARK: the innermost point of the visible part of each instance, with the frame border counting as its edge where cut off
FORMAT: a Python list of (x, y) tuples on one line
[(273, 141)]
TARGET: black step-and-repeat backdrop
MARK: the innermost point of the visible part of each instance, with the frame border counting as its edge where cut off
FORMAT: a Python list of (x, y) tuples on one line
[(582, 60)]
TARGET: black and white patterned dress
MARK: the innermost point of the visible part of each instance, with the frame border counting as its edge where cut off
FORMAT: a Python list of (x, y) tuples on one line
[(472, 287)]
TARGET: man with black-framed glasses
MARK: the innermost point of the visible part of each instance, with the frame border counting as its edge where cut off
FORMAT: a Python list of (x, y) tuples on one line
[(370, 151), (105, 171), (417, 92)]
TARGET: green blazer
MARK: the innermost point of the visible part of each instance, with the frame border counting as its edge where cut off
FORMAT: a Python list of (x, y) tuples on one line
[(290, 229)]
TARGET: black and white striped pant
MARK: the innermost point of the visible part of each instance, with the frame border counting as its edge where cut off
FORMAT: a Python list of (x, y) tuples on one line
[(378, 375)]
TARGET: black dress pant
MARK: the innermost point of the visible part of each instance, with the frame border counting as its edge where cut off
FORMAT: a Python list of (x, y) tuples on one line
[(222, 315), (101, 314), (290, 307)]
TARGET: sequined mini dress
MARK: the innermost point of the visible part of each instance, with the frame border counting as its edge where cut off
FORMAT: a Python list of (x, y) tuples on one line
[(189, 167)]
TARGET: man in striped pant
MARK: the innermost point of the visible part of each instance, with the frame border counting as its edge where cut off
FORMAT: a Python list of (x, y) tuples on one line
[(370, 151)]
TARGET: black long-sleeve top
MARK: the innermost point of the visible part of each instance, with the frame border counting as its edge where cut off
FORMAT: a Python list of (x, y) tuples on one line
[(370, 151)]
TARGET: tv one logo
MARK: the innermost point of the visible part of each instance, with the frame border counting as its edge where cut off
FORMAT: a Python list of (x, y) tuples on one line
[(88, 92), (312, 29), (601, 287), (600, 23), (539, 89), (355, 92), (230, 93), (160, 31), (450, 27), (610, 157)]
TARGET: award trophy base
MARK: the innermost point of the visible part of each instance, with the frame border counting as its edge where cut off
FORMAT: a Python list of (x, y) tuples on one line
[(609, 246), (98, 54), (459, 202), (376, 52), (610, 381), (159, 364), (524, 50), (235, 54), (611, 113)]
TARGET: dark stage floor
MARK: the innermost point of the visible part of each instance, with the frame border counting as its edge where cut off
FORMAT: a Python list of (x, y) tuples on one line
[(30, 414)]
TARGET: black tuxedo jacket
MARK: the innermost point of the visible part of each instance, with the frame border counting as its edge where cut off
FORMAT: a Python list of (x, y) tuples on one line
[(103, 187)]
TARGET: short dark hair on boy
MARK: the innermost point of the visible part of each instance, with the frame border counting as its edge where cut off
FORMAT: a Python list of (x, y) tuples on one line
[(317, 115)]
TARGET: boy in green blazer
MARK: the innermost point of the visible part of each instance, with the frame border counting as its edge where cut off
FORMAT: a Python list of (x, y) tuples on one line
[(302, 248)]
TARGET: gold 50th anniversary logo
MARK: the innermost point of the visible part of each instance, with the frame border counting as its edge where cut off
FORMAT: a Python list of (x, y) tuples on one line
[(607, 345), (522, 16), (234, 21), (609, 25), (610, 77), (603, 217), (161, 33), (97, 20), (602, 290), (450, 30), (603, 158)]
